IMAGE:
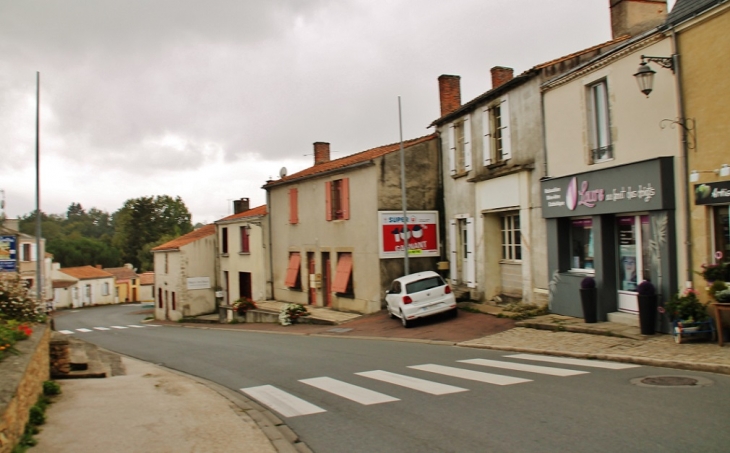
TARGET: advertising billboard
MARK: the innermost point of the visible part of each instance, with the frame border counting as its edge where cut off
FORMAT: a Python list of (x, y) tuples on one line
[(8, 253), (422, 236)]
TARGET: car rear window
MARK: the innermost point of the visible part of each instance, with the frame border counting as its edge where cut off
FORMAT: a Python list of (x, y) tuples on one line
[(423, 285)]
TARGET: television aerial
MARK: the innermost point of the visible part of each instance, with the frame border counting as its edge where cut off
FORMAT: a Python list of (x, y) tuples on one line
[(282, 172)]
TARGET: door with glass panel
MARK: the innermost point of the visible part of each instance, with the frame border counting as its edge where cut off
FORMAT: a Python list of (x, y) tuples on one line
[(634, 260)]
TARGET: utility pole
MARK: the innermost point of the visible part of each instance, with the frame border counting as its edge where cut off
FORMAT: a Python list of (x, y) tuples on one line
[(39, 277), (406, 235)]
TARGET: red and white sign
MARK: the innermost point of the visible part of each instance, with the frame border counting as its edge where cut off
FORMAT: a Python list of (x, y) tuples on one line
[(421, 237)]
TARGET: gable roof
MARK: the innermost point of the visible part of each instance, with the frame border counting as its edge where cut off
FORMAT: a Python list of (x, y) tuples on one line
[(522, 78), (122, 273), (348, 161), (59, 284), (686, 9), (185, 239), (254, 212), (85, 272), (147, 278)]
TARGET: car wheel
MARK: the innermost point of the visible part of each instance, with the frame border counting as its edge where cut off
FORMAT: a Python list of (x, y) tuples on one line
[(404, 321)]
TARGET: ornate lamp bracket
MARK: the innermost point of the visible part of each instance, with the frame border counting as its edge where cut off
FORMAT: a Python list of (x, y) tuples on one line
[(687, 125)]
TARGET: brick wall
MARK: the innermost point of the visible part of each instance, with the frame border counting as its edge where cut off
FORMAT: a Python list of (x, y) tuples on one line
[(21, 383)]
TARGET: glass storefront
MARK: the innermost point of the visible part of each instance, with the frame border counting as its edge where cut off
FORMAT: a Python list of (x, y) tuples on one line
[(721, 228), (581, 238)]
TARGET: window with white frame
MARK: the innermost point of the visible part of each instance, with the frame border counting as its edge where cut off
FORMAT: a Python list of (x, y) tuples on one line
[(511, 239), (599, 123), (497, 144), (460, 146)]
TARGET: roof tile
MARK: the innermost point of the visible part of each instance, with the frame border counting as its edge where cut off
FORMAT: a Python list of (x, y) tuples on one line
[(257, 211), (185, 239), (85, 272)]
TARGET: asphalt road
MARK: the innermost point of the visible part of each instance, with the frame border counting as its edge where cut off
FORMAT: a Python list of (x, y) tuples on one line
[(599, 410)]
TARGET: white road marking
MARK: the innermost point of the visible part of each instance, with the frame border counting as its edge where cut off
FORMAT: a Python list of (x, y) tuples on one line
[(119, 327), (351, 392), (134, 325), (524, 367), (422, 385), (471, 375), (153, 325), (579, 362), (66, 332), (84, 330), (101, 328), (282, 402)]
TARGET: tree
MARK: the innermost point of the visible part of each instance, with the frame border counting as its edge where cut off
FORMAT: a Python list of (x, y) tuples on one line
[(144, 221)]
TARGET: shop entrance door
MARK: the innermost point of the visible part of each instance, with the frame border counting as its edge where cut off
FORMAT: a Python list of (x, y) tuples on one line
[(634, 261)]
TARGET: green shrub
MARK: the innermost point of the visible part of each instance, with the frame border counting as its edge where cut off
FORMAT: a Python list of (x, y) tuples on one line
[(37, 415), (51, 388)]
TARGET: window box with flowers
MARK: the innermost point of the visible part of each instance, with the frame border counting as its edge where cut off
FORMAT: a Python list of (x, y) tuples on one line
[(242, 305), (688, 316)]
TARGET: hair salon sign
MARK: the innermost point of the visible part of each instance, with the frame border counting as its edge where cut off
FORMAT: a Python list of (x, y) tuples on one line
[(643, 186), (421, 237)]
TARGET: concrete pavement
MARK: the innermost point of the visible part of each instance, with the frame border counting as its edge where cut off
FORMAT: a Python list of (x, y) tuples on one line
[(154, 409)]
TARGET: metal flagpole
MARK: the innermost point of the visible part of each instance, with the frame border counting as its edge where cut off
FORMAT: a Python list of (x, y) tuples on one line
[(406, 234), (39, 279)]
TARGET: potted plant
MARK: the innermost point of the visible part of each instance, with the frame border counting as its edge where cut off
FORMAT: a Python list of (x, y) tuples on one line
[(589, 299), (714, 272), (647, 307), (291, 313), (242, 305), (687, 313)]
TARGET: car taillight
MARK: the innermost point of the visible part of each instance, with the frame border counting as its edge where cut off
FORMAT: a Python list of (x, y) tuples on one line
[(407, 300), (447, 289)]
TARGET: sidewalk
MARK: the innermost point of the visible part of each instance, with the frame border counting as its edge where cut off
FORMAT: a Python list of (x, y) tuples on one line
[(154, 409)]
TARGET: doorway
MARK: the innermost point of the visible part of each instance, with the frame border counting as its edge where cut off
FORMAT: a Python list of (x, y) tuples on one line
[(244, 285), (326, 280), (634, 260), (312, 275)]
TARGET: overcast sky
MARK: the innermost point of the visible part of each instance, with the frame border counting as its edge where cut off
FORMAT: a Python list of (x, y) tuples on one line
[(208, 100)]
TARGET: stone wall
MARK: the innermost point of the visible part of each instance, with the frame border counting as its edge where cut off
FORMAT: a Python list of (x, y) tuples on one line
[(21, 383)]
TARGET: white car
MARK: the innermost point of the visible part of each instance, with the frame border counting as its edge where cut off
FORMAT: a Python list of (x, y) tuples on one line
[(419, 295)]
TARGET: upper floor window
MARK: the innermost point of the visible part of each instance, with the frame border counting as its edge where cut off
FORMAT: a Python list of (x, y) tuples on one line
[(244, 240), (511, 239), (293, 206), (337, 201), (599, 123), (496, 127), (224, 240), (27, 252), (460, 146)]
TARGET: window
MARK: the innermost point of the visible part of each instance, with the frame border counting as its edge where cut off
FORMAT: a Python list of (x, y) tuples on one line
[(27, 255), (721, 229), (511, 237), (167, 264), (173, 301), (105, 289), (224, 241), (424, 284), (293, 206), (599, 123), (337, 201), (581, 240), (495, 125), (159, 298), (292, 271), (343, 278), (460, 146), (244, 239)]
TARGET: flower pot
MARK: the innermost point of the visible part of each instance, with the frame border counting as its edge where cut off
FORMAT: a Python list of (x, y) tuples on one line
[(647, 314), (589, 302)]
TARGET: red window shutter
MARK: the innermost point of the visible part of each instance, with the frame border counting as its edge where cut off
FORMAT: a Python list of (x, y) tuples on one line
[(293, 206), (328, 199), (345, 198), (344, 269), (292, 271), (244, 240)]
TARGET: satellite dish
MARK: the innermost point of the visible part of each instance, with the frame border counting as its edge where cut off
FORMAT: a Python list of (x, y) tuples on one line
[(282, 172)]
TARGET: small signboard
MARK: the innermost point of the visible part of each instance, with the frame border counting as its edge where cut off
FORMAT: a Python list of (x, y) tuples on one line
[(712, 193), (8, 253), (421, 237), (198, 283)]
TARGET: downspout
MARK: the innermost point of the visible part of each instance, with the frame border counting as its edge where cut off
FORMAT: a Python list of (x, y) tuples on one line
[(685, 157), (544, 136), (271, 254)]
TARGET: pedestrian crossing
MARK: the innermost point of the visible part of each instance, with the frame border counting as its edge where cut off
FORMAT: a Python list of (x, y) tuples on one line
[(103, 329), (290, 405)]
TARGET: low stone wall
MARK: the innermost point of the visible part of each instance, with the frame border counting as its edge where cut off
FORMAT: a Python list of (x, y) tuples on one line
[(21, 383)]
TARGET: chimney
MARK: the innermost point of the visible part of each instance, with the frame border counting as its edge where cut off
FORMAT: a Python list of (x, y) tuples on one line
[(633, 17), (501, 75), (240, 205), (449, 93), (321, 152)]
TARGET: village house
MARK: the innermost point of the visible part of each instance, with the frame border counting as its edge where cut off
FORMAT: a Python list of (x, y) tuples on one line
[(91, 286), (126, 283)]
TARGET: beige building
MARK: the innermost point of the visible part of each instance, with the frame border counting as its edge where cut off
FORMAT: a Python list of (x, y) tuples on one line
[(336, 229), (92, 286), (243, 261), (147, 287), (185, 275), (126, 283)]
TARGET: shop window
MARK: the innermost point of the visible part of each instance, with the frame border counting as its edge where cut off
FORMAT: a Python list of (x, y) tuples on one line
[(460, 146), (721, 228), (343, 278), (337, 200), (224, 241), (581, 243), (293, 280), (511, 237), (245, 239), (495, 124), (599, 123)]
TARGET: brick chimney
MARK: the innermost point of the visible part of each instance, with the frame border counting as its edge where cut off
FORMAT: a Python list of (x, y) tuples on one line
[(633, 17), (240, 205), (321, 152), (501, 75), (449, 93)]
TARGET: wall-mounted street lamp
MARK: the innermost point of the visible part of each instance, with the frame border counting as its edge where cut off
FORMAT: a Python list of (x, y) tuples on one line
[(723, 171), (645, 75)]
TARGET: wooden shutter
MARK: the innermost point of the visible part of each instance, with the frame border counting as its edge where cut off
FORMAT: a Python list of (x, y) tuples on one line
[(293, 206), (487, 140), (345, 198), (244, 239), (452, 149), (506, 130), (344, 271), (467, 144), (452, 249), (470, 271), (328, 199), (292, 271)]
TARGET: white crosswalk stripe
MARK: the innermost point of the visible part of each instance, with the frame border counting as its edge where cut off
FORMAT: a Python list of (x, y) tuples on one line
[(282, 402), (524, 367), (84, 330), (66, 332), (134, 325), (101, 328), (422, 385), (479, 376), (120, 327), (570, 361), (351, 392)]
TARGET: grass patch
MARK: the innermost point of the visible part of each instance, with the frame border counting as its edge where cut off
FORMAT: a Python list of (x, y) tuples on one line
[(519, 312)]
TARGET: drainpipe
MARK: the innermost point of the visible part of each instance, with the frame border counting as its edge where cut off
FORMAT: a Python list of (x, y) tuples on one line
[(271, 255)]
